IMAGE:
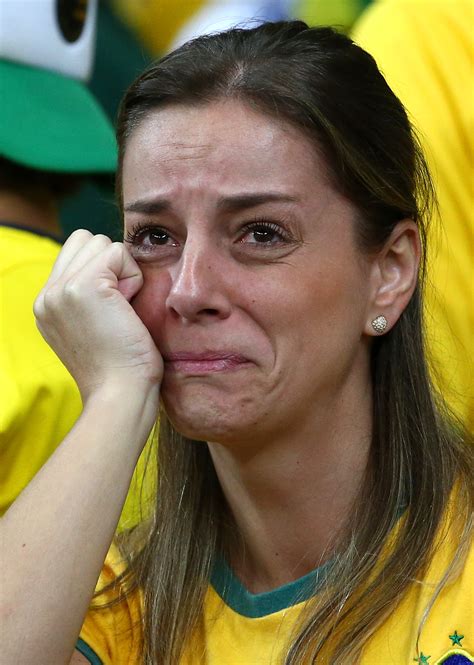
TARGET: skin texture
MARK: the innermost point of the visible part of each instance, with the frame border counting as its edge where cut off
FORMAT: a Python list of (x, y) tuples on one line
[(287, 416)]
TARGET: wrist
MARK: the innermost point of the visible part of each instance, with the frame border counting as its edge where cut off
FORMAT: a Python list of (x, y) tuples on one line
[(129, 409), (121, 390)]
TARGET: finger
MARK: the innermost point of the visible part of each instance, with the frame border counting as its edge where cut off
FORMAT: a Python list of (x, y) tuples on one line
[(131, 276), (89, 250), (71, 247), (114, 267)]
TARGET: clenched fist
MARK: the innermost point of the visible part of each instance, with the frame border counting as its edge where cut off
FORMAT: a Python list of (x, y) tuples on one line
[(85, 315)]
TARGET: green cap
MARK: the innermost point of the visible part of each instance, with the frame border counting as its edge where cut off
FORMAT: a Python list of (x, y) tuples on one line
[(53, 123)]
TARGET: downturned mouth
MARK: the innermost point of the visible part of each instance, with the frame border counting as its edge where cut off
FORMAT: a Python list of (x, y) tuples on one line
[(201, 363)]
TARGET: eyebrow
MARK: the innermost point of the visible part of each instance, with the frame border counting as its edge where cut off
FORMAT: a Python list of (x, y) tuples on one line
[(242, 201), (233, 203)]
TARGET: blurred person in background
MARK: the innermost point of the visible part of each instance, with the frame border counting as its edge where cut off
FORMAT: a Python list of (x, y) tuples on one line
[(119, 57), (340, 13), (53, 135), (426, 52), (161, 25)]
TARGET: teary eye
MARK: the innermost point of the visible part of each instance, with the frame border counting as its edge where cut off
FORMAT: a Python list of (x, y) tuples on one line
[(157, 237), (144, 236), (263, 233)]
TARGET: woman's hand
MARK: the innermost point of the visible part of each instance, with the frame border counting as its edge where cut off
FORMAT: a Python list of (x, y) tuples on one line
[(84, 314)]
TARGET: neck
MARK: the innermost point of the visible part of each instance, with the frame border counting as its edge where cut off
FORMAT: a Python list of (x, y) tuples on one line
[(292, 498), (41, 215)]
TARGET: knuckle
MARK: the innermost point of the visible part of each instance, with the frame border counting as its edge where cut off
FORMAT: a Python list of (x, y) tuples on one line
[(50, 299), (117, 246), (81, 234), (70, 290), (59, 294), (38, 305), (116, 250), (102, 240)]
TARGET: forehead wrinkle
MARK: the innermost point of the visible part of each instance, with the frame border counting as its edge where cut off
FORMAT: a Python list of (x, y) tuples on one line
[(213, 138), (187, 150), (217, 144), (177, 152)]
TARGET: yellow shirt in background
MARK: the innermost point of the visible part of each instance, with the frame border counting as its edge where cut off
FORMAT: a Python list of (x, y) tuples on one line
[(39, 400), (425, 49), (156, 22)]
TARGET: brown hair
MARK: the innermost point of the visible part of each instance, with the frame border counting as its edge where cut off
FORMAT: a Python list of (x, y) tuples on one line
[(332, 90)]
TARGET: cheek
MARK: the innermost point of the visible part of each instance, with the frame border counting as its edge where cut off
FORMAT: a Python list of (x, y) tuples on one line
[(336, 298), (149, 303)]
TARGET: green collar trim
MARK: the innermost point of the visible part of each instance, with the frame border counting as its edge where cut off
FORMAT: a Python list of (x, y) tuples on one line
[(89, 653), (257, 605)]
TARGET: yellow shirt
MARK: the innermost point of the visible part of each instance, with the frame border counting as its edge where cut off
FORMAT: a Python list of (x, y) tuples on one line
[(241, 628), (425, 49), (39, 399)]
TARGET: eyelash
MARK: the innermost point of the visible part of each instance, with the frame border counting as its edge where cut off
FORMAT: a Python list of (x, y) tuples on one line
[(134, 234), (259, 223)]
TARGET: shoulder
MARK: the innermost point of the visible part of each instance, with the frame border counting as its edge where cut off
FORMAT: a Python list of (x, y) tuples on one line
[(111, 633), (437, 607), (20, 248)]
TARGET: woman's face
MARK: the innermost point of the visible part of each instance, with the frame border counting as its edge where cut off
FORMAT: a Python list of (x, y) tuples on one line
[(254, 289)]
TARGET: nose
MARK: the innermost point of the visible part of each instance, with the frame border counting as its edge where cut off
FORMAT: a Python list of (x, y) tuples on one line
[(198, 286)]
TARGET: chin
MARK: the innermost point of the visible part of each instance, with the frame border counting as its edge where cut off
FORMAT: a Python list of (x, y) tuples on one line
[(200, 424), (207, 420), (214, 410)]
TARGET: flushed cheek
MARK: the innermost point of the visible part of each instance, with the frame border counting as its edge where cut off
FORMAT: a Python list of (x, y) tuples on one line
[(149, 303)]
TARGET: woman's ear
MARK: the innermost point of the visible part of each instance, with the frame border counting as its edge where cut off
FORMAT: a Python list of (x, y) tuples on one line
[(394, 276)]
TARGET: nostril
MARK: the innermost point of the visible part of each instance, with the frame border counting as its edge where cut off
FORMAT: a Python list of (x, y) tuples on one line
[(210, 312), (180, 313)]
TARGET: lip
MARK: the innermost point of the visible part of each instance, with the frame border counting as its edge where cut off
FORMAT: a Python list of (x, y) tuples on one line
[(204, 363)]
